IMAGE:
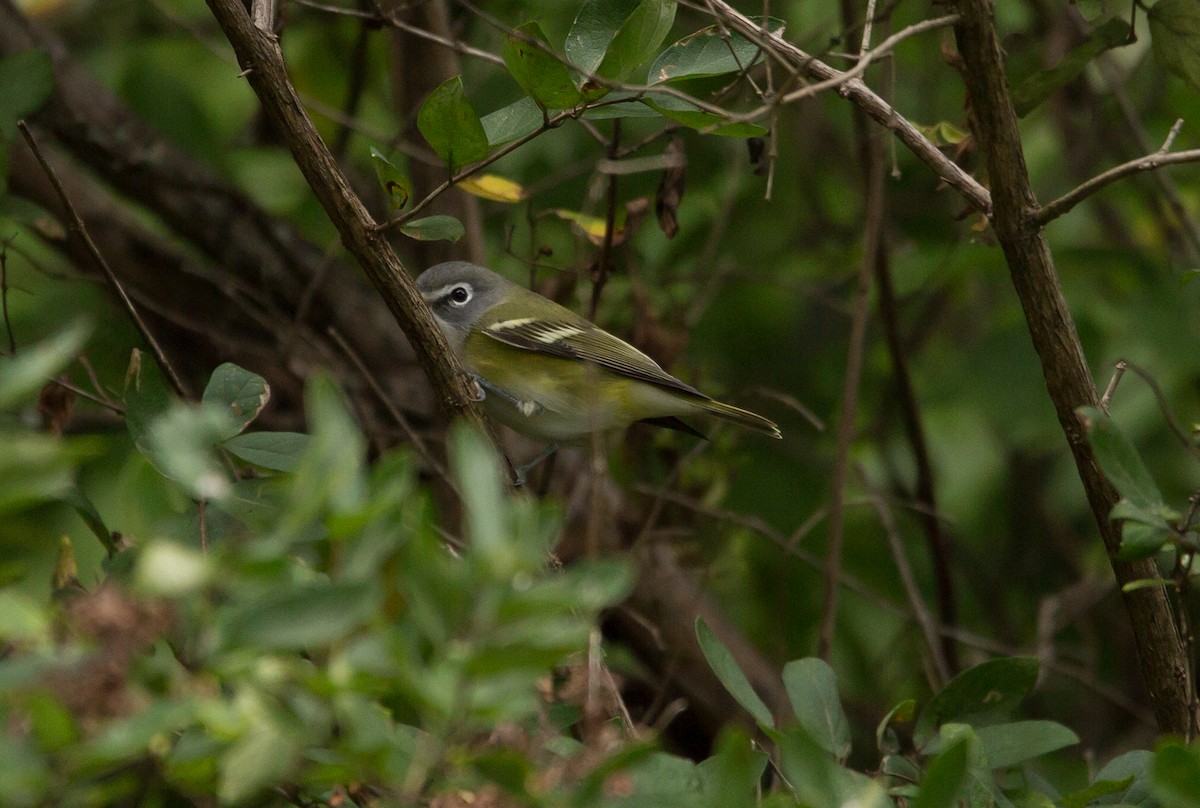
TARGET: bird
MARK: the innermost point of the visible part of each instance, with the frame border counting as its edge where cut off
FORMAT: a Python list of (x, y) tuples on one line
[(552, 375)]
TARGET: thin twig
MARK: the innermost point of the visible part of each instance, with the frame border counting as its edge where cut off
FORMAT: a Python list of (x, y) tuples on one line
[(77, 226), (12, 340), (908, 580), (392, 410), (1150, 162), (604, 260)]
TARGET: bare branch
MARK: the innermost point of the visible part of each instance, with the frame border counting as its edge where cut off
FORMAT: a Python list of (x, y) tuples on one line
[(1052, 210), (879, 110)]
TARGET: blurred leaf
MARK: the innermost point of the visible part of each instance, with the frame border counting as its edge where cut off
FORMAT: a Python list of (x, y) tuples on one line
[(33, 468), (1141, 540), (129, 737), (1015, 742), (944, 133), (394, 180), (170, 569), (507, 768), (24, 373), (278, 451), (146, 398), (902, 713), (477, 470), (182, 444), (983, 694), (1175, 774), (594, 227), (818, 780), (1136, 765), (26, 81), (300, 616), (242, 393), (493, 187), (1095, 791), (731, 676), (434, 228), (330, 473), (695, 118), (812, 689), (87, 511), (23, 621), (1031, 91), (732, 775), (514, 121), (709, 52), (449, 124), (944, 777), (1120, 461), (1175, 38), (260, 758), (539, 71)]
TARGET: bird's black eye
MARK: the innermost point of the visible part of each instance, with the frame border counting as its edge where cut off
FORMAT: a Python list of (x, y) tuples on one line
[(459, 295)]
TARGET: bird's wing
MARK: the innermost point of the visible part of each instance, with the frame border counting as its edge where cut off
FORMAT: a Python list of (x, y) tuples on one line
[(579, 339)]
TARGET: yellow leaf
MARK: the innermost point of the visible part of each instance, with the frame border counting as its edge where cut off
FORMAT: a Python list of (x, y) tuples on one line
[(493, 187), (593, 226)]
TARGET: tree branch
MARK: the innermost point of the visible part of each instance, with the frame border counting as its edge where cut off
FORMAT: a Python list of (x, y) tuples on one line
[(875, 107), (259, 54), (1159, 650)]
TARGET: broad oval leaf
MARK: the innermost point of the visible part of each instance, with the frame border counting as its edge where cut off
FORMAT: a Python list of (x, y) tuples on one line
[(978, 696), (731, 676), (299, 616), (1027, 94), (440, 227), (539, 71), (279, 451), (945, 777), (239, 392), (509, 123), (610, 38), (1017, 741), (493, 187), (812, 689), (449, 123), (1175, 774), (1120, 461), (708, 52), (1175, 38)]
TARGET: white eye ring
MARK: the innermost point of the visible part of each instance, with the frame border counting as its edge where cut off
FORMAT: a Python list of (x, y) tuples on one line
[(460, 295)]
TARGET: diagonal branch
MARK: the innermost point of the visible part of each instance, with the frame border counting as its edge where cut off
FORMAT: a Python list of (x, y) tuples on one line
[(259, 55), (875, 107)]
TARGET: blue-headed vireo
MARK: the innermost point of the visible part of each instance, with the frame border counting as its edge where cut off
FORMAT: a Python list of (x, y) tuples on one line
[(550, 374)]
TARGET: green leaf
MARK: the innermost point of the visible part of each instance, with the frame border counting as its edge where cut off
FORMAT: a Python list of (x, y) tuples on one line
[(181, 445), (1120, 461), (637, 39), (812, 689), (1136, 765), (434, 228), (1175, 38), (33, 468), (539, 71), (1033, 90), (980, 695), (260, 758), (901, 713), (593, 30), (695, 118), (1017, 741), (516, 120), (477, 470), (239, 392), (945, 777), (448, 122), (146, 398), (709, 53), (300, 616), (278, 451), (86, 510), (28, 370), (1140, 540), (26, 81), (395, 180), (730, 675), (731, 776), (1093, 793), (817, 779), (1175, 774)]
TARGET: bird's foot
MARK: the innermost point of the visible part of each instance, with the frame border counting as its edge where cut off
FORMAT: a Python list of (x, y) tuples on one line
[(521, 471), (526, 408)]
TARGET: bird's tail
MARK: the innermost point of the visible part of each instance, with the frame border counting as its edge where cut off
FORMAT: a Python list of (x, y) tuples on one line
[(741, 417)]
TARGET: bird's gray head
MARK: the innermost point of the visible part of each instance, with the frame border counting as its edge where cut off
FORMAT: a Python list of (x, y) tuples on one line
[(459, 293)]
